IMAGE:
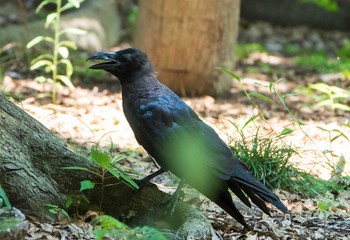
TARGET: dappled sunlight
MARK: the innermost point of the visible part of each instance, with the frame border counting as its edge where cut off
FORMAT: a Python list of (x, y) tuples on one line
[(267, 58), (85, 116), (90, 116)]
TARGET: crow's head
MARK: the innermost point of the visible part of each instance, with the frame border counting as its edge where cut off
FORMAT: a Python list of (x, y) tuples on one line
[(124, 63)]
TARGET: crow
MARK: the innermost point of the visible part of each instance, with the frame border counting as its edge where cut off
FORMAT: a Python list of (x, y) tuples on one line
[(178, 140)]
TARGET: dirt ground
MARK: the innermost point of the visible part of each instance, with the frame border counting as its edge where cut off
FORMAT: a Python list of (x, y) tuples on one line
[(92, 113)]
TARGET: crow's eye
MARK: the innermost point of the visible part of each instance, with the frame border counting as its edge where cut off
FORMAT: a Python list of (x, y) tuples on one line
[(127, 57)]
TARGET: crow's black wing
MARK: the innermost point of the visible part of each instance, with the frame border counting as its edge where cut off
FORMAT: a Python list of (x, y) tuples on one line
[(177, 139)]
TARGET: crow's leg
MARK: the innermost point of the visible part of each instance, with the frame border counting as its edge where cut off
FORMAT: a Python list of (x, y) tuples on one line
[(175, 198), (146, 179)]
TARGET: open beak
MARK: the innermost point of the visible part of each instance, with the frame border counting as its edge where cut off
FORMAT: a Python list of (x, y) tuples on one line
[(109, 57)]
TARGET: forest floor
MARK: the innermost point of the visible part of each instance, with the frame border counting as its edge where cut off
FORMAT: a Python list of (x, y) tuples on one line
[(92, 114)]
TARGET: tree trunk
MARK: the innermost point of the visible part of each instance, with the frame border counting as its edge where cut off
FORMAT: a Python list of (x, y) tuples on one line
[(187, 39), (31, 162)]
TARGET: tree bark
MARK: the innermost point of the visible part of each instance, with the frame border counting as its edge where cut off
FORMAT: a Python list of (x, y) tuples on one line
[(31, 159), (31, 162), (187, 39)]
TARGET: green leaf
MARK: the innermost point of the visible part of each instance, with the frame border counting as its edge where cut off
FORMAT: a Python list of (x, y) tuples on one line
[(63, 51), (54, 211), (34, 41), (50, 19), (322, 87), (52, 205), (75, 3), (68, 44), (68, 202), (76, 168), (4, 198), (323, 206), (119, 157), (341, 107), (101, 158), (113, 172), (340, 92), (46, 56), (286, 131), (284, 96), (66, 81), (43, 79), (76, 31), (86, 184), (271, 86), (262, 97), (39, 39), (69, 66), (251, 119), (72, 3), (64, 212), (326, 102), (43, 4), (229, 73), (125, 177), (341, 133), (300, 123), (40, 63)]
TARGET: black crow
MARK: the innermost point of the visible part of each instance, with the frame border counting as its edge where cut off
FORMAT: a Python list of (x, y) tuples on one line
[(177, 139)]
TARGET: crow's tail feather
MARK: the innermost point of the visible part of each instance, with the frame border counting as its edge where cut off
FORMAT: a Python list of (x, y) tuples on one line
[(243, 181), (224, 200)]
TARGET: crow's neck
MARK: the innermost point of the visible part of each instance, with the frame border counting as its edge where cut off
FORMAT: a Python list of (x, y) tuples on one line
[(137, 86)]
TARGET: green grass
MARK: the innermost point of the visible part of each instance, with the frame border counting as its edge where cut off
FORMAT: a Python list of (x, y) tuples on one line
[(320, 62), (306, 59), (268, 157)]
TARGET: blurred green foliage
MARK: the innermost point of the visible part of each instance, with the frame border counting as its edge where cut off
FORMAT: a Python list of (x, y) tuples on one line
[(243, 50), (328, 5), (111, 228)]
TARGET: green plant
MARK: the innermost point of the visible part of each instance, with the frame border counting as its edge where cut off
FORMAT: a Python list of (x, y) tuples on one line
[(336, 162), (268, 156), (107, 165), (328, 5), (332, 96), (4, 201), (57, 63), (54, 209), (324, 207), (75, 200), (111, 227)]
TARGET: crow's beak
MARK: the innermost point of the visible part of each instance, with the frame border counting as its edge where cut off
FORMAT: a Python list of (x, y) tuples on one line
[(110, 57)]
